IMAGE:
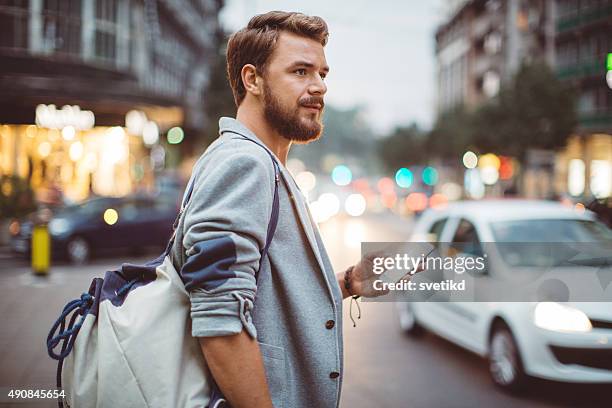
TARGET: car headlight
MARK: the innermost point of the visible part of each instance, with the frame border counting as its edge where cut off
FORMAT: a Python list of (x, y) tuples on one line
[(58, 226), (558, 317)]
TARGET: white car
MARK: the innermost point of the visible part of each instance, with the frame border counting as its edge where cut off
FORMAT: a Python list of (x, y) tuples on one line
[(557, 341)]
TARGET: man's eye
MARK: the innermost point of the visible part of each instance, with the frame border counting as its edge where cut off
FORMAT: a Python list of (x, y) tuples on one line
[(323, 76), (300, 71)]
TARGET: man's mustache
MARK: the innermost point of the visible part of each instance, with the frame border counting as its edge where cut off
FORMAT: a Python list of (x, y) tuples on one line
[(312, 100)]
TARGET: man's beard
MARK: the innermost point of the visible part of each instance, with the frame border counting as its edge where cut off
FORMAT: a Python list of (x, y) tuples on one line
[(288, 123)]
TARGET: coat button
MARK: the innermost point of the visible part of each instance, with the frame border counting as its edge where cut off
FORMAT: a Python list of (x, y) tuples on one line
[(334, 374), (330, 324)]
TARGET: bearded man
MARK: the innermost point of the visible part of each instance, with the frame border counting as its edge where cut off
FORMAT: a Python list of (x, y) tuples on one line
[(270, 327)]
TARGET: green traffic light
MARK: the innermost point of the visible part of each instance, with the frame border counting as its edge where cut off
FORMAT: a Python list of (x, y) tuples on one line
[(609, 62)]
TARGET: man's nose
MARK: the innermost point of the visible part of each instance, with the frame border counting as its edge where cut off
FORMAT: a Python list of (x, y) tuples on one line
[(317, 86)]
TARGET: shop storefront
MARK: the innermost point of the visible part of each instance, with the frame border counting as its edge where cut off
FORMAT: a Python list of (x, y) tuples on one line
[(65, 156), (584, 167)]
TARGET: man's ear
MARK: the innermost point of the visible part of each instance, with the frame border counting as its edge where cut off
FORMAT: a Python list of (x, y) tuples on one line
[(252, 82)]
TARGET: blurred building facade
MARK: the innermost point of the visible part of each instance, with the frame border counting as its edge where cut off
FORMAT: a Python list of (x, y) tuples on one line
[(90, 86), (583, 39), (483, 44)]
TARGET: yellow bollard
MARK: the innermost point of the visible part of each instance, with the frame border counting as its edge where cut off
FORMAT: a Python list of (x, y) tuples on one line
[(41, 250)]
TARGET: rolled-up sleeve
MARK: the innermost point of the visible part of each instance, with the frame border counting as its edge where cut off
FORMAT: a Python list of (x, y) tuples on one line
[(225, 229)]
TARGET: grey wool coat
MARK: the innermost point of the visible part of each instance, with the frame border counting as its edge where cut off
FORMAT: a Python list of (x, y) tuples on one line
[(294, 310)]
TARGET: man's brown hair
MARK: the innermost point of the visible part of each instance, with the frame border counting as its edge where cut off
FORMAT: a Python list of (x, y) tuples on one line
[(255, 43)]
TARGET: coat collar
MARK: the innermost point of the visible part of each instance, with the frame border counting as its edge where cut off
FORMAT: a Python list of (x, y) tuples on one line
[(231, 125)]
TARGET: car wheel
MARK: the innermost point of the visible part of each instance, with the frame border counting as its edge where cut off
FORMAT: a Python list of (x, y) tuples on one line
[(78, 250), (505, 364), (407, 319)]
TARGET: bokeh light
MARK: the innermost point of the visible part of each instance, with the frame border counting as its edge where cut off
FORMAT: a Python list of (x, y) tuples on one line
[(76, 151), (342, 175), (306, 181), (403, 178), (489, 160), (355, 205), (430, 176), (416, 202), (385, 185), (175, 135), (489, 175), (470, 160), (330, 204), (111, 216), (44, 149), (438, 201), (150, 133), (68, 133)]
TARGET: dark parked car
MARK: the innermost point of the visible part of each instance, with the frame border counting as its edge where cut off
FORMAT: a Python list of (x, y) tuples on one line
[(103, 224)]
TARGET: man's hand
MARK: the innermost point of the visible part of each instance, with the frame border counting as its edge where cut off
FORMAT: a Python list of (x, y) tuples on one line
[(363, 277)]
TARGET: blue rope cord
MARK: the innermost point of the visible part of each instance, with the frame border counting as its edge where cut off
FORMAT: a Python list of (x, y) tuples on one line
[(80, 307)]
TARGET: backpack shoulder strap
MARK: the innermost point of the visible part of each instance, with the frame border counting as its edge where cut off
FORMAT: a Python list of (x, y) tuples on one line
[(272, 224)]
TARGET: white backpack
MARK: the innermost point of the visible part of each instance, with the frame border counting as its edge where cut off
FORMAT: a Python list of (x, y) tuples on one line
[(128, 339)]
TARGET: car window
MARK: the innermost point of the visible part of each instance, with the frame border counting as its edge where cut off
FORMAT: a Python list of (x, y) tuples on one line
[(551, 230), (466, 239), (129, 210), (435, 231), (95, 206), (536, 242)]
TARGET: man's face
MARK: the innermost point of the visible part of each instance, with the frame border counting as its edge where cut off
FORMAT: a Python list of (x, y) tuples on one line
[(294, 87)]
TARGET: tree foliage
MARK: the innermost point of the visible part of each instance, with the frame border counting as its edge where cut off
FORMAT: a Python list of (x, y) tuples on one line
[(404, 148), (535, 110)]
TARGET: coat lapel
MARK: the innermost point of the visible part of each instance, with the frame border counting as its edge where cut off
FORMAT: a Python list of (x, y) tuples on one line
[(299, 201)]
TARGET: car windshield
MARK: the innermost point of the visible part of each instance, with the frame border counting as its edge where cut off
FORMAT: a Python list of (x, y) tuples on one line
[(553, 242), (89, 207)]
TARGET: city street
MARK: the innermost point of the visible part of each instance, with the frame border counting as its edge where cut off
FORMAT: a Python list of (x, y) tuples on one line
[(482, 129), (383, 368)]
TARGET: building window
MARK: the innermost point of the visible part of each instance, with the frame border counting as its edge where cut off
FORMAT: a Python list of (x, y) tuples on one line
[(62, 26), (106, 29), (587, 101), (14, 24)]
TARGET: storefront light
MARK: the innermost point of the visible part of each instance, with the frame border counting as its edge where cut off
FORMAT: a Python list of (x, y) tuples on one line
[(44, 149), (76, 151), (576, 177), (31, 131), (117, 134), (150, 133), (68, 133), (135, 121), (48, 116), (601, 178), (91, 161)]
